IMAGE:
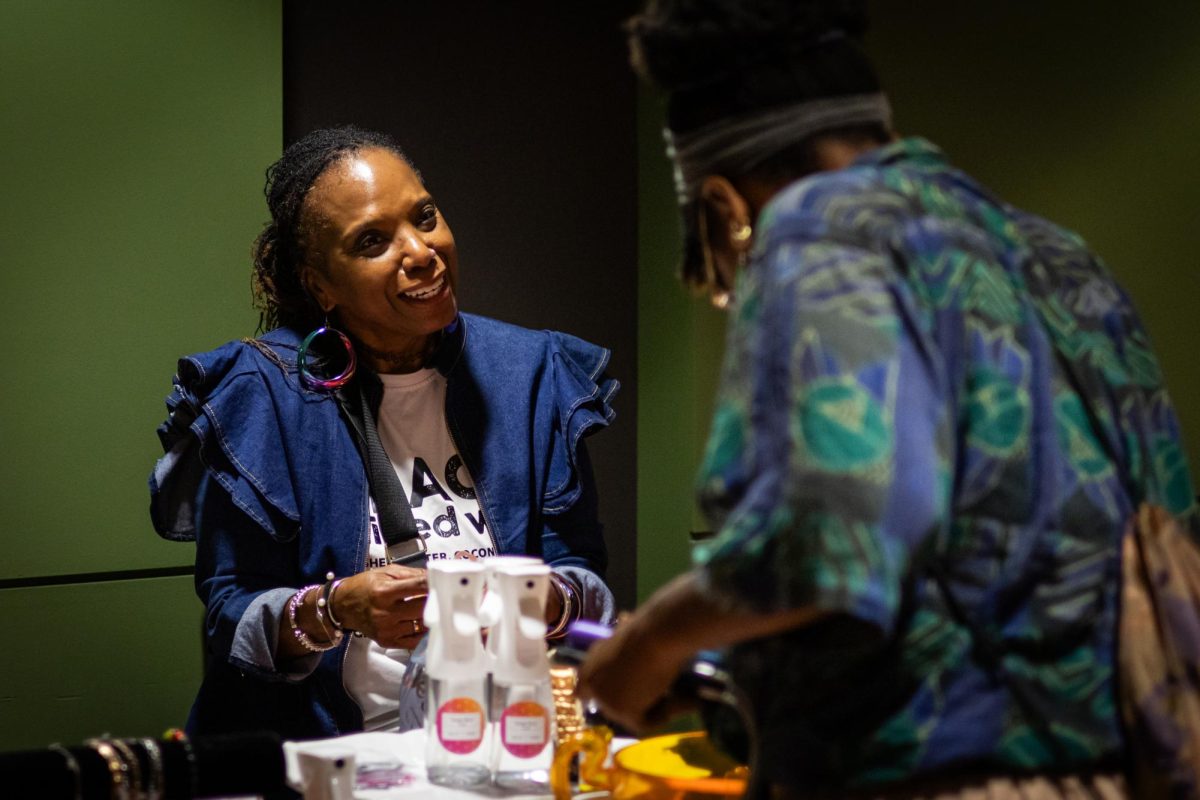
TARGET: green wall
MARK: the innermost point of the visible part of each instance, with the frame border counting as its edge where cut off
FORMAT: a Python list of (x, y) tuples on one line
[(132, 143), (1087, 113), (679, 352), (1083, 112)]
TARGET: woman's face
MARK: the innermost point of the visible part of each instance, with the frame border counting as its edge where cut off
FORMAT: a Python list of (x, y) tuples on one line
[(380, 256)]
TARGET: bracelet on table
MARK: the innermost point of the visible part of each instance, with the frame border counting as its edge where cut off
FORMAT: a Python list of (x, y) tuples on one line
[(566, 593), (179, 736), (302, 637), (72, 767), (118, 771), (156, 782), (136, 787)]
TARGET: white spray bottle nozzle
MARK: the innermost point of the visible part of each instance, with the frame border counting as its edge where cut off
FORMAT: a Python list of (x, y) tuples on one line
[(518, 640), (489, 611), (455, 650)]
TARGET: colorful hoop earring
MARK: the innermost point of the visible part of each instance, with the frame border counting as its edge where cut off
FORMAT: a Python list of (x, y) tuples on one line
[(326, 384)]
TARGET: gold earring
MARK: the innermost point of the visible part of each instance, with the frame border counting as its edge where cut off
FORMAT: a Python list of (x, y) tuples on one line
[(718, 295), (742, 234)]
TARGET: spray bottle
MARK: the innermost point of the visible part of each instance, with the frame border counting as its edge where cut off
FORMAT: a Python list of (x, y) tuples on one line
[(491, 610), (456, 670), (521, 702)]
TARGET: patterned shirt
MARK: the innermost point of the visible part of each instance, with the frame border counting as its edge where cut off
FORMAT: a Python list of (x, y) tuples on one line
[(894, 395)]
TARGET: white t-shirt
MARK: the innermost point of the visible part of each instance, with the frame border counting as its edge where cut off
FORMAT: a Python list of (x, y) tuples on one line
[(412, 428)]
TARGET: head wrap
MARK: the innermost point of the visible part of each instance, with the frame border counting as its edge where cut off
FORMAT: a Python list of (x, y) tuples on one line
[(738, 144)]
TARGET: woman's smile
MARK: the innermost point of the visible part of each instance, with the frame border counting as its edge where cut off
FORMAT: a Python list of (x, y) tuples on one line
[(428, 293)]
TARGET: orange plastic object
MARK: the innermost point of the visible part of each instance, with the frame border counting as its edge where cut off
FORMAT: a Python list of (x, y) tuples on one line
[(679, 766)]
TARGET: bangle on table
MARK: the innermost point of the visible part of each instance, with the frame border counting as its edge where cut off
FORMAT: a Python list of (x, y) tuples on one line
[(136, 787), (566, 594), (302, 637), (180, 737), (118, 770), (72, 764), (155, 784)]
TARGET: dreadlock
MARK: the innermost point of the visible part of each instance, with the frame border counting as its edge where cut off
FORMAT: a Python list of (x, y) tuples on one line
[(280, 250)]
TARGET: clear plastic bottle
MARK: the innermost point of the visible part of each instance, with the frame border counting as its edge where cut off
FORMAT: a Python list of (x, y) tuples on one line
[(458, 748), (522, 706), (523, 739)]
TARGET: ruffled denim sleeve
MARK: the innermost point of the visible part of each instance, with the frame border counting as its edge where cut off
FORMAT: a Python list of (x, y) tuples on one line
[(572, 540), (221, 419), (223, 482), (584, 395)]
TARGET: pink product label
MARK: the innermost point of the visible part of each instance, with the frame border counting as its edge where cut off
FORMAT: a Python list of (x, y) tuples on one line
[(460, 725), (525, 729)]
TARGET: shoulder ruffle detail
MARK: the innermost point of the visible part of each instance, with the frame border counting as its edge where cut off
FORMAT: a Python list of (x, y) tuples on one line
[(583, 397), (224, 421)]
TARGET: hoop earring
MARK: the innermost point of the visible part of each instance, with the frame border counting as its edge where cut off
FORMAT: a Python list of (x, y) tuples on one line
[(326, 384), (718, 295)]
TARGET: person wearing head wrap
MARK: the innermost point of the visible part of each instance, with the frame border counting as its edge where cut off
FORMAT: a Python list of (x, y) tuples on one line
[(936, 414)]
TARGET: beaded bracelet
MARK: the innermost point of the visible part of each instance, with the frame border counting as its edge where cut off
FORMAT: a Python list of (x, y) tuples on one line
[(136, 786), (72, 767), (566, 593), (157, 779), (302, 637), (118, 771)]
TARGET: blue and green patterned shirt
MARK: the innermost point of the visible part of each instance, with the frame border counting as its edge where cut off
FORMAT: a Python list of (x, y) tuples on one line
[(893, 393)]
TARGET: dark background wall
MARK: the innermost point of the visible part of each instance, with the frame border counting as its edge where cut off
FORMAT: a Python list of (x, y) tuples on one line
[(521, 118)]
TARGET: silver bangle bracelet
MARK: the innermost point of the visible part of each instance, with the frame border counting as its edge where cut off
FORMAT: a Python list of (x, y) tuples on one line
[(303, 638), (566, 593), (325, 601)]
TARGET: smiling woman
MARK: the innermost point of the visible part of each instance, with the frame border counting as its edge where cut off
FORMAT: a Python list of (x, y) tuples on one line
[(316, 484), (388, 258)]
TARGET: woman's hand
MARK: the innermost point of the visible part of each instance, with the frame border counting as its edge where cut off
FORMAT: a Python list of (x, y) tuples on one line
[(386, 604)]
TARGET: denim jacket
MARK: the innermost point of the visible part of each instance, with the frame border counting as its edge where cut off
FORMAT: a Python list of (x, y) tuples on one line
[(264, 475)]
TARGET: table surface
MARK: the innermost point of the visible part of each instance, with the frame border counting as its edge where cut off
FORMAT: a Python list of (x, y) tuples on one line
[(399, 757)]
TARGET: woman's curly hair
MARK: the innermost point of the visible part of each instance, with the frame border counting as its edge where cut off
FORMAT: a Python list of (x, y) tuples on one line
[(280, 251)]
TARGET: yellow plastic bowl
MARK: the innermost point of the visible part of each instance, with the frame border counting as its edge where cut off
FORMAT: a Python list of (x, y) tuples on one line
[(679, 766)]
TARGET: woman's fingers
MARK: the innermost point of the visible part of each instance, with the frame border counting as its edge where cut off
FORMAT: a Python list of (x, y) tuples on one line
[(368, 600), (399, 631)]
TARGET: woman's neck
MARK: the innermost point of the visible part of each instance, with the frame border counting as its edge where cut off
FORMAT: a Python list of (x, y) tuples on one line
[(386, 362)]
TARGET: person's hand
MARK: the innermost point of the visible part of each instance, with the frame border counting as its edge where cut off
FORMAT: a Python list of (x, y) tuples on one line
[(629, 675), (386, 604)]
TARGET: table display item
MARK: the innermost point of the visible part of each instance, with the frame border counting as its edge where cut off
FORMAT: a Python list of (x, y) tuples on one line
[(456, 674), (522, 707), (660, 767)]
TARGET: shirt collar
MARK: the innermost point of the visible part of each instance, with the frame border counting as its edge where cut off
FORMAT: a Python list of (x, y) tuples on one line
[(912, 149)]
